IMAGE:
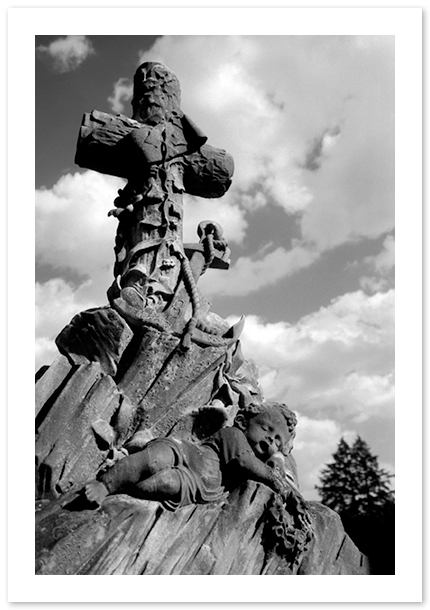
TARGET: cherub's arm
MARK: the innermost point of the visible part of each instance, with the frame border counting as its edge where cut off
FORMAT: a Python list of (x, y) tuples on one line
[(256, 470), (279, 463)]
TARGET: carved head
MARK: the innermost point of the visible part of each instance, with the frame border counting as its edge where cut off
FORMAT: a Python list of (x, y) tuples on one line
[(156, 93), (155, 288), (269, 428)]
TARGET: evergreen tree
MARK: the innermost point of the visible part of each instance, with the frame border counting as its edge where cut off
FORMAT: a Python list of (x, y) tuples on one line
[(353, 484), (359, 490)]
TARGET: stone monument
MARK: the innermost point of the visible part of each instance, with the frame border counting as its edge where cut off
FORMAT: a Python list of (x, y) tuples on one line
[(155, 378)]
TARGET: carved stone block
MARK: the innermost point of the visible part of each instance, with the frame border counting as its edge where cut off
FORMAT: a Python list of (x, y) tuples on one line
[(96, 335), (67, 450)]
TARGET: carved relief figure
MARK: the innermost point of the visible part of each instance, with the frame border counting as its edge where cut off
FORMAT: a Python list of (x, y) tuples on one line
[(178, 473)]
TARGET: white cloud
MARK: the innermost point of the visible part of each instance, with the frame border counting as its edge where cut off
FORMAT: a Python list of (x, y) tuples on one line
[(230, 102), (73, 234), (45, 352), (56, 304), (382, 265), (384, 261), (267, 98), (249, 275), (373, 284), (228, 214), (67, 53), (337, 362), (122, 93), (72, 227)]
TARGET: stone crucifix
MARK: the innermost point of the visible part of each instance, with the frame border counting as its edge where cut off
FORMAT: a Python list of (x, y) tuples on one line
[(162, 154)]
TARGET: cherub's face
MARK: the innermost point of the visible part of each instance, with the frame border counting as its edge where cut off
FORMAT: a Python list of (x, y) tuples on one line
[(267, 433)]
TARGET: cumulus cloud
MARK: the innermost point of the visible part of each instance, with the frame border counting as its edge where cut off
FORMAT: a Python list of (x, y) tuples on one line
[(67, 53), (223, 94), (122, 93), (75, 237), (319, 148), (57, 302), (73, 230), (382, 266), (249, 275), (45, 352), (269, 99), (384, 261), (337, 362), (223, 211)]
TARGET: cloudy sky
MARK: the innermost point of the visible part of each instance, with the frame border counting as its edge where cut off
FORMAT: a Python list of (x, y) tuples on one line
[(309, 218)]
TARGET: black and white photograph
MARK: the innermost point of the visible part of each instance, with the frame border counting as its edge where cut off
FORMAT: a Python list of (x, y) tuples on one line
[(215, 234)]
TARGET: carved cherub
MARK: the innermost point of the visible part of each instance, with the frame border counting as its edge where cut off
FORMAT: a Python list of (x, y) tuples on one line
[(178, 473)]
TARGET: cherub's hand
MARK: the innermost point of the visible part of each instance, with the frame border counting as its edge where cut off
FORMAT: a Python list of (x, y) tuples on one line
[(96, 492), (278, 482), (277, 464), (276, 461)]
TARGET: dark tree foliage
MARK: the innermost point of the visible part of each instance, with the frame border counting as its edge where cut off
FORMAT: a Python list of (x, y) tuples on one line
[(359, 490)]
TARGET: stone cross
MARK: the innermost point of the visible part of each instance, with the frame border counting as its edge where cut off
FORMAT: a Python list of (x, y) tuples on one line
[(162, 154)]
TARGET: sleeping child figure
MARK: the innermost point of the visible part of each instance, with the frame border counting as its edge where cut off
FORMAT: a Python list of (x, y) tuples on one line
[(181, 472)]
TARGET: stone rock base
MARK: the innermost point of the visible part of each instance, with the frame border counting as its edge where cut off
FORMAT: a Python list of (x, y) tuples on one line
[(113, 389), (130, 536)]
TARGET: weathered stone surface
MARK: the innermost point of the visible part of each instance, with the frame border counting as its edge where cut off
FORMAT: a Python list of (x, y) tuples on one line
[(99, 142), (129, 536), (332, 550), (165, 383), (162, 154), (96, 335), (67, 450), (83, 413), (181, 373), (50, 382), (208, 173), (151, 352), (185, 418)]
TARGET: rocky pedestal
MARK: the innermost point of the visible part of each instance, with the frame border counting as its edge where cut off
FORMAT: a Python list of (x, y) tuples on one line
[(129, 536), (111, 386)]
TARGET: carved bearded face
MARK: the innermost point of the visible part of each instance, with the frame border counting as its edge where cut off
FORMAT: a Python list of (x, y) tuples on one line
[(156, 95)]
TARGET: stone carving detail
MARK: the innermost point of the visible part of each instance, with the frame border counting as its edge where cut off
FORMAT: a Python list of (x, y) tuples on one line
[(162, 154), (158, 382)]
